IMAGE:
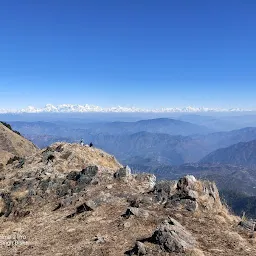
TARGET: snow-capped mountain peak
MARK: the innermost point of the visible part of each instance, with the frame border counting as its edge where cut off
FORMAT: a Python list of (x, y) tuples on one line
[(70, 108)]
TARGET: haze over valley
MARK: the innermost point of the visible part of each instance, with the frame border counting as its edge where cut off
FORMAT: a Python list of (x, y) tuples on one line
[(202, 145)]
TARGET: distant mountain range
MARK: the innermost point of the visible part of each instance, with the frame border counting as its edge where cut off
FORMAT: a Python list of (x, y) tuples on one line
[(69, 108), (243, 153), (147, 141), (158, 125), (147, 147)]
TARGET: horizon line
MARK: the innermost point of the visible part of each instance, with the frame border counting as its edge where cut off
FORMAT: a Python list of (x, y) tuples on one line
[(76, 108)]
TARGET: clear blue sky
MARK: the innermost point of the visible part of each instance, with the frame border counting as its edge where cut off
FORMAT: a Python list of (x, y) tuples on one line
[(128, 52)]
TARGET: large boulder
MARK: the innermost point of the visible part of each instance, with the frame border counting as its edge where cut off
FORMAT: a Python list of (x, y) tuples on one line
[(171, 236), (186, 183)]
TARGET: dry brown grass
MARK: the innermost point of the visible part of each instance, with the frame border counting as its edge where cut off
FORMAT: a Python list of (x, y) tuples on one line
[(195, 252), (20, 194), (50, 233), (13, 144), (4, 157)]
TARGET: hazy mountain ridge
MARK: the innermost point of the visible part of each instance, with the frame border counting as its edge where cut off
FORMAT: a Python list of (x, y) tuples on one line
[(128, 144), (242, 153), (221, 122), (159, 125)]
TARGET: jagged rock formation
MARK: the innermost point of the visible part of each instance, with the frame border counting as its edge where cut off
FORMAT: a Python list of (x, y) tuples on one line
[(74, 200), (12, 144), (192, 194)]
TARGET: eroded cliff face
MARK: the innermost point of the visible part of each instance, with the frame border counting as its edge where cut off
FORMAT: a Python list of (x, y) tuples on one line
[(74, 200)]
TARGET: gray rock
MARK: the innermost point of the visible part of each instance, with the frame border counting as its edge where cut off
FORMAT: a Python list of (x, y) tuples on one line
[(163, 190), (91, 204), (48, 155), (189, 205), (87, 174), (90, 171), (188, 194), (210, 189), (147, 181), (192, 195), (152, 182), (110, 186), (186, 183), (99, 240), (85, 207), (140, 201), (171, 236), (8, 204), (248, 224), (138, 212), (123, 172), (62, 190), (184, 195), (140, 248), (73, 175)]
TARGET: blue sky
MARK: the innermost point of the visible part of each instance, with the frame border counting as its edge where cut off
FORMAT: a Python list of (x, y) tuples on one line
[(132, 53)]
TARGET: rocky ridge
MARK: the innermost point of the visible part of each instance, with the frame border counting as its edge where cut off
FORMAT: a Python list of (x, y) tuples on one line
[(12, 144), (73, 200)]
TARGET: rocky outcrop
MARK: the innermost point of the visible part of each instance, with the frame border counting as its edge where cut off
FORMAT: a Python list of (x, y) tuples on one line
[(57, 173), (192, 194), (35, 187), (123, 173), (86, 203), (248, 224), (171, 236)]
